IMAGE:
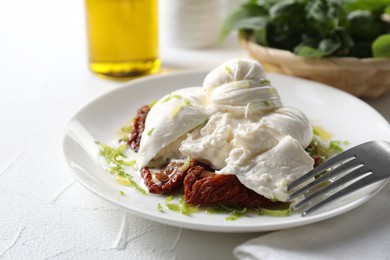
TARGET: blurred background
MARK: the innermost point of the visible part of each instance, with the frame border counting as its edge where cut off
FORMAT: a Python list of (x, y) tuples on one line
[(48, 36)]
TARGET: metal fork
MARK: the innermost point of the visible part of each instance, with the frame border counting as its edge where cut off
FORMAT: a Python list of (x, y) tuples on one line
[(354, 168)]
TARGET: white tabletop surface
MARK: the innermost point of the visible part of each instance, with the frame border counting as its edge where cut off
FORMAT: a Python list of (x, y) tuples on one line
[(44, 80)]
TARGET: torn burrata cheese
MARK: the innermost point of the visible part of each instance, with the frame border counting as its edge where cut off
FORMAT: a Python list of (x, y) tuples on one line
[(270, 172), (168, 123), (237, 125)]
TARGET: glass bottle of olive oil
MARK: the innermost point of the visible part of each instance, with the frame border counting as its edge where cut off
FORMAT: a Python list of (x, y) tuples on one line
[(122, 37)]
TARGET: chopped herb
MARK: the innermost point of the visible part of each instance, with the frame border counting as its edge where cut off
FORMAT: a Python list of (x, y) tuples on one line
[(127, 180), (123, 180), (114, 169), (266, 103), (275, 212), (321, 133), (130, 163), (316, 148), (151, 104), (272, 90), (241, 84), (187, 102), (215, 210), (130, 182), (335, 145), (126, 129), (149, 133), (175, 110), (228, 70), (323, 151), (182, 207), (114, 158), (169, 97), (121, 193), (234, 213), (112, 155), (160, 208), (185, 208), (281, 209), (186, 165), (264, 82), (171, 206)]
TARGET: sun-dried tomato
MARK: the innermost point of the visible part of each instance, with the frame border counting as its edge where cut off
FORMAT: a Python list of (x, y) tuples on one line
[(202, 187), (134, 138), (317, 160), (169, 179)]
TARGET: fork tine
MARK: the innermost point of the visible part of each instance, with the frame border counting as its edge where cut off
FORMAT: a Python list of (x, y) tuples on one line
[(350, 176), (360, 166), (327, 175), (322, 167), (363, 182)]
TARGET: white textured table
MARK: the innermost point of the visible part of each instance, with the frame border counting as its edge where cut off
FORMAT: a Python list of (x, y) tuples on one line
[(44, 80)]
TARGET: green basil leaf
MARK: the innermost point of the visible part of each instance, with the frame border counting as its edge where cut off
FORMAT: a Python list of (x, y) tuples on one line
[(288, 16), (261, 36), (347, 41), (246, 16), (381, 47), (285, 9), (278, 38), (375, 6), (329, 45), (309, 52), (308, 49), (387, 9), (314, 28), (364, 25), (325, 16), (314, 48)]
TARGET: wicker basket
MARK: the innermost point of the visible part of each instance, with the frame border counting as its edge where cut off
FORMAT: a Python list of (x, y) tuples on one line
[(366, 78)]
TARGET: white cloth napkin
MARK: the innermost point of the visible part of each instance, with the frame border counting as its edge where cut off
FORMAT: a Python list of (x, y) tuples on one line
[(363, 233)]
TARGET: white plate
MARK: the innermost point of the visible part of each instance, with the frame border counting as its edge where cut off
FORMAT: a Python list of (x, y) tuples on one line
[(347, 117)]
